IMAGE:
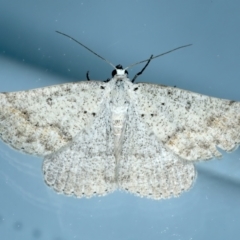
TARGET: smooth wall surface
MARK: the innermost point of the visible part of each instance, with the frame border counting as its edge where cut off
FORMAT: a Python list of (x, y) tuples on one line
[(32, 55)]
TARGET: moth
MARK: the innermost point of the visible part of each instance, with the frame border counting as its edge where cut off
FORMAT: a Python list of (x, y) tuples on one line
[(98, 136)]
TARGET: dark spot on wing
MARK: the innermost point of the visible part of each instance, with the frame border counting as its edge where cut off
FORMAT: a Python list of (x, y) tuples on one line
[(94, 114), (210, 121), (102, 87), (56, 93), (135, 89), (49, 101), (68, 89), (188, 106), (30, 140)]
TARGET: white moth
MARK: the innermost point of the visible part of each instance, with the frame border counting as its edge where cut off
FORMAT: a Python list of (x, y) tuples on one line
[(97, 137)]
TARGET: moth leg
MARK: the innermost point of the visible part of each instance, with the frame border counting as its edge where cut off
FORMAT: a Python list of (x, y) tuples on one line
[(88, 78), (107, 80), (139, 73), (87, 75)]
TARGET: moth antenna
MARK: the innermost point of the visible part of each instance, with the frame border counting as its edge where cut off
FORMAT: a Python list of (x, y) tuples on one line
[(130, 66), (86, 48), (188, 45)]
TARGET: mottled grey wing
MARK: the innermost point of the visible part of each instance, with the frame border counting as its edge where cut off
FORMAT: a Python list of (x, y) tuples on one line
[(148, 168), (86, 166), (189, 124), (40, 121)]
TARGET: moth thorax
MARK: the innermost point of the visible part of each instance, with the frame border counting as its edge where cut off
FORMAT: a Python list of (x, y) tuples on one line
[(120, 72)]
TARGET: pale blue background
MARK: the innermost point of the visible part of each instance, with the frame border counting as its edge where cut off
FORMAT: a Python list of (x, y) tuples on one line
[(126, 31)]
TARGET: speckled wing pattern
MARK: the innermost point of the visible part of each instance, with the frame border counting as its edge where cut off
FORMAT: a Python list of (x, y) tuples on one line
[(147, 168), (100, 136), (191, 125), (41, 121), (86, 166)]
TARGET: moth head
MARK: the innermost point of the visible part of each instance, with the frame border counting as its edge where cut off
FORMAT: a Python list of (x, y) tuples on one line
[(119, 71)]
